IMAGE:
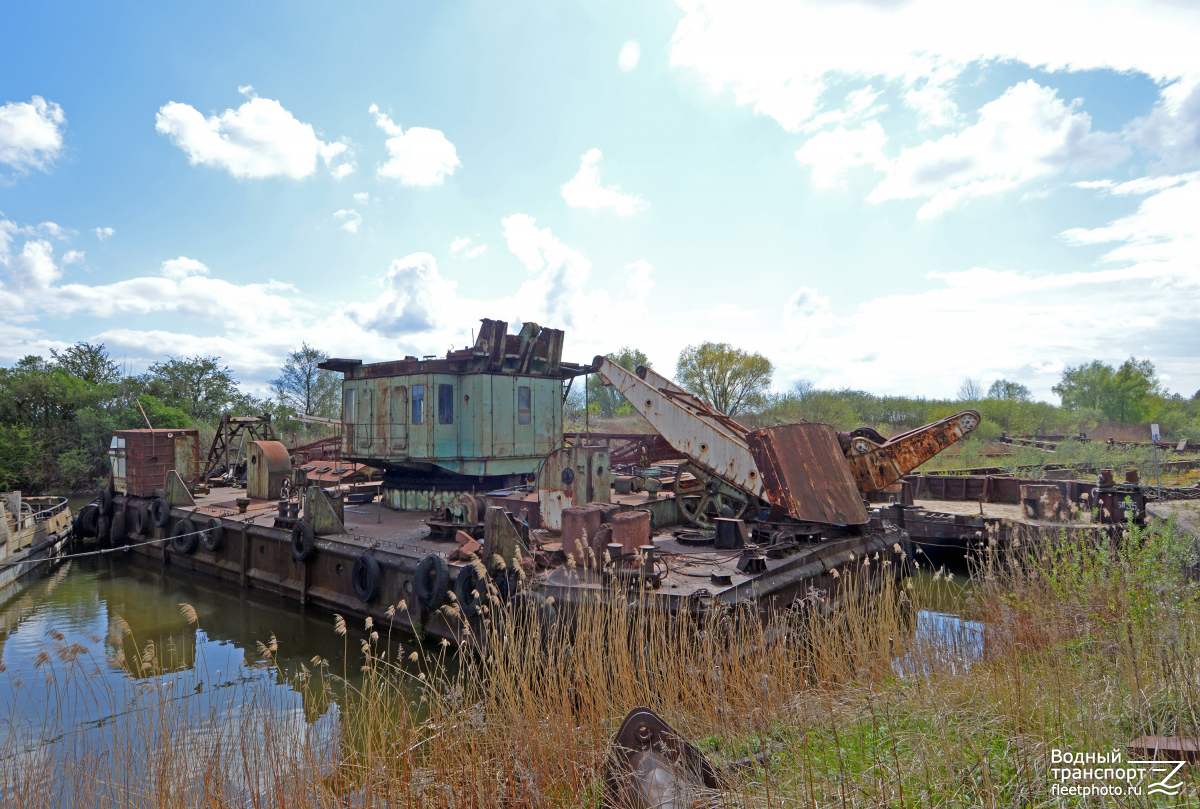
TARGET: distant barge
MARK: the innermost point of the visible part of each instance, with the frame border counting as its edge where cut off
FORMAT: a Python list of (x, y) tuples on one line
[(479, 483), (34, 531)]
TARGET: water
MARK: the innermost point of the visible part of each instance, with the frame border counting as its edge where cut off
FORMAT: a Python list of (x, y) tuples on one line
[(61, 643), (944, 640)]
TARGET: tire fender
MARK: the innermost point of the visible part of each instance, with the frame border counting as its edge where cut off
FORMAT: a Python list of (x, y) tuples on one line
[(118, 527), (304, 543), (142, 523), (184, 538), (366, 578), (470, 589), (432, 581), (160, 513), (213, 536)]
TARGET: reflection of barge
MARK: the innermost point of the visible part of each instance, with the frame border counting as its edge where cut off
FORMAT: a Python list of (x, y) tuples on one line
[(33, 533), (706, 513)]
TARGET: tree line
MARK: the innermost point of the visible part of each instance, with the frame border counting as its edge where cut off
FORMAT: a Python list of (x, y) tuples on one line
[(57, 415), (738, 383)]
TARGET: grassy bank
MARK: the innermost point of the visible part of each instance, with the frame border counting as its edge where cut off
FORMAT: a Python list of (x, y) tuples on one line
[(1077, 643)]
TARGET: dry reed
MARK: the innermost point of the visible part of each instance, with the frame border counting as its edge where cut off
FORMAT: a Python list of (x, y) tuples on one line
[(1074, 641)]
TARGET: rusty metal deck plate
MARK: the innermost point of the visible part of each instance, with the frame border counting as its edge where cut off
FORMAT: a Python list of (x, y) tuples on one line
[(806, 475)]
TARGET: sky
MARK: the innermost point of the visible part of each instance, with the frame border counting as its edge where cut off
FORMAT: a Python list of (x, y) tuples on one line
[(888, 195)]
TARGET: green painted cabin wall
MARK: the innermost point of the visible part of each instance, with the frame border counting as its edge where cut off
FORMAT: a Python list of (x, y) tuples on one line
[(485, 437)]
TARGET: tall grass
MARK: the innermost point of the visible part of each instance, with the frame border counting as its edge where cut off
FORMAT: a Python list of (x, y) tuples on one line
[(1078, 641)]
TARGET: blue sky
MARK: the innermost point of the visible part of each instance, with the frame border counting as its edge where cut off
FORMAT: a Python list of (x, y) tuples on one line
[(885, 194)]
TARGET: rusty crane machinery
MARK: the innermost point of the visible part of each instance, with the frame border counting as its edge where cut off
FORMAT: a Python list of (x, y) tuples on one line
[(800, 474)]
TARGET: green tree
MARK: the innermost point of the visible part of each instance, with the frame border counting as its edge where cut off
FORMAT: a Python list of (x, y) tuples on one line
[(199, 386), (304, 388), (728, 378), (88, 362), (1126, 393), (605, 401), (1130, 394), (1083, 387), (808, 402), (1008, 391)]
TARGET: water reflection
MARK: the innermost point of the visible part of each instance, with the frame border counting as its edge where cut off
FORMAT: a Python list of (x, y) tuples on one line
[(944, 637), (62, 639)]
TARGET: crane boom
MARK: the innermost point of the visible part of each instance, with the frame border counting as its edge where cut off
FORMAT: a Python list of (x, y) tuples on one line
[(712, 440)]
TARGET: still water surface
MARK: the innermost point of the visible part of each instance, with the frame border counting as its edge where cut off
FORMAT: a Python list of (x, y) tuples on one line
[(59, 647), (60, 643)]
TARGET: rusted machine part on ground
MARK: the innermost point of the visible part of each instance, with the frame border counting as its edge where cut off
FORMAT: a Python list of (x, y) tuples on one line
[(651, 767), (877, 465)]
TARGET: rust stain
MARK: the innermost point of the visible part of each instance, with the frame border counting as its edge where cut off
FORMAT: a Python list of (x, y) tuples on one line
[(805, 474), (876, 466)]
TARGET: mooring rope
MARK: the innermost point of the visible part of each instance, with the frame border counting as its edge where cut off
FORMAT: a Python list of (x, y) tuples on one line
[(100, 551)]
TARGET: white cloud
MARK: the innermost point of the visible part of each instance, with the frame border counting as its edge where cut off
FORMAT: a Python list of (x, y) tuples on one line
[(351, 219), (628, 58), (72, 257), (33, 271), (1142, 185), (782, 58), (585, 191), (259, 139), (1172, 129), (462, 245), (362, 197), (1026, 134), (178, 269), (1160, 235), (859, 104), (558, 271), (415, 292), (103, 233), (832, 154), (30, 133), (418, 156)]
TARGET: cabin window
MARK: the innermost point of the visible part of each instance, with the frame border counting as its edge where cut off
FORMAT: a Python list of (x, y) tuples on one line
[(365, 413), (445, 404), (418, 403), (524, 405), (348, 406)]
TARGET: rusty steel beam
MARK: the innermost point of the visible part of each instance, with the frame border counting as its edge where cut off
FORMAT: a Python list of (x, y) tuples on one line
[(688, 424), (876, 466)]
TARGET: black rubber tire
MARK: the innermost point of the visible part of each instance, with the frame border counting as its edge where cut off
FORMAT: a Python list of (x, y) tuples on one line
[(366, 578), (507, 583), (304, 543), (88, 519), (470, 589), (160, 513), (432, 581), (184, 539), (103, 539), (141, 522), (213, 536), (532, 610), (118, 527), (106, 501)]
